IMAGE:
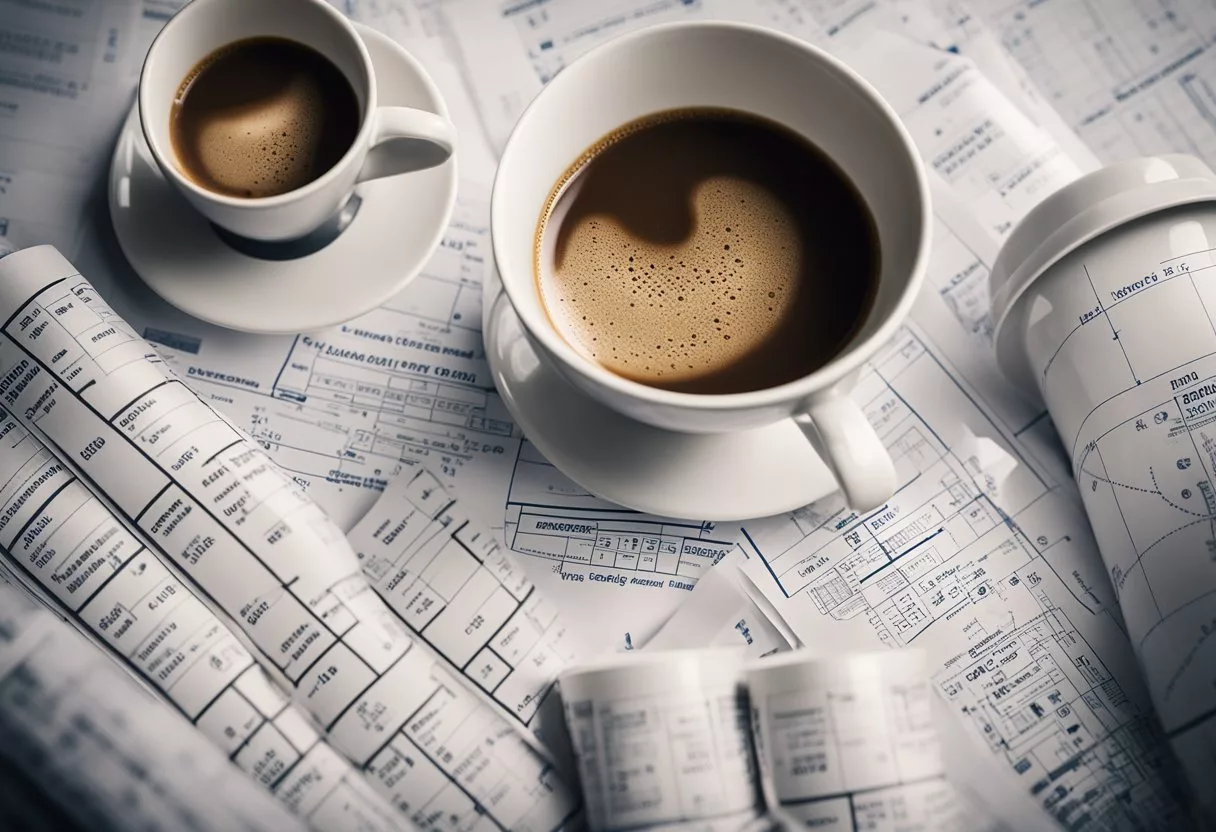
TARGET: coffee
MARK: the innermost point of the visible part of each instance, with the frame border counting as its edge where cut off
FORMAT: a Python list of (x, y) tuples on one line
[(706, 251), (261, 117)]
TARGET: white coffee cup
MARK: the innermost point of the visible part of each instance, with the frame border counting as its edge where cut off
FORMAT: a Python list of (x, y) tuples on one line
[(772, 75), (385, 144)]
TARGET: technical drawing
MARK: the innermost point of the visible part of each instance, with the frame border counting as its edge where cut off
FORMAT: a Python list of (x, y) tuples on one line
[(992, 577), (590, 540)]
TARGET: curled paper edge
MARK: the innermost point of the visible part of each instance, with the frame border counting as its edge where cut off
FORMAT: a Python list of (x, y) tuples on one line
[(986, 461), (723, 609)]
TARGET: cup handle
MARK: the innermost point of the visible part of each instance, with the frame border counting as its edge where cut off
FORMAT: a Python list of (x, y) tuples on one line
[(843, 437), (405, 140)]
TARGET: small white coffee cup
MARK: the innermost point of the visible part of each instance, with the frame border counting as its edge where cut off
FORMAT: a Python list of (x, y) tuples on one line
[(382, 147), (781, 78)]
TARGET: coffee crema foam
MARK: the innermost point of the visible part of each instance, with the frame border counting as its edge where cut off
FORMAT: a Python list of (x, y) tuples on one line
[(261, 117), (700, 280), (267, 148), (730, 287)]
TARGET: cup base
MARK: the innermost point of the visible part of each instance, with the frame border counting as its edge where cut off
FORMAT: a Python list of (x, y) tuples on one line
[(309, 244)]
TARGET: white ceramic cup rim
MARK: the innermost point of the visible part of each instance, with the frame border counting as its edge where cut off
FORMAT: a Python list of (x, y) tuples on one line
[(168, 159), (855, 354)]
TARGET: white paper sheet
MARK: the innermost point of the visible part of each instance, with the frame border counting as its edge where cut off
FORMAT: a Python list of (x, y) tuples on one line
[(104, 752), (1131, 78), (65, 78), (721, 613), (200, 494), (626, 570), (989, 154)]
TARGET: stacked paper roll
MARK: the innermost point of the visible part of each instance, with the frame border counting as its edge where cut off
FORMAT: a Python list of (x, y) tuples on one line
[(707, 740)]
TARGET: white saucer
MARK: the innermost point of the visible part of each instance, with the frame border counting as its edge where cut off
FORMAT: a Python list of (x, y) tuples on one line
[(718, 477), (179, 255)]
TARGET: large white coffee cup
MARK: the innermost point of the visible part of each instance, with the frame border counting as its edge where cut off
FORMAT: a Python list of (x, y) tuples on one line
[(387, 143), (772, 75)]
